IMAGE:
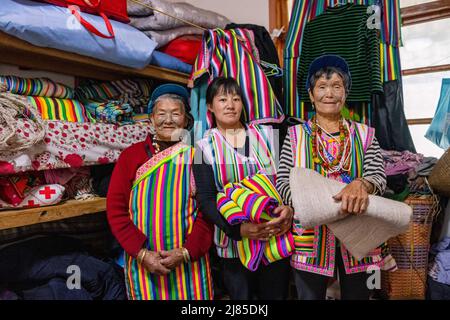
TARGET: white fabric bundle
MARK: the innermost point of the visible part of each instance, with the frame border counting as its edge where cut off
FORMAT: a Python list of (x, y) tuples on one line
[(313, 206)]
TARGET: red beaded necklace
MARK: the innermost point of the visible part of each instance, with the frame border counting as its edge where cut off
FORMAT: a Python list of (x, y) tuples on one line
[(317, 148)]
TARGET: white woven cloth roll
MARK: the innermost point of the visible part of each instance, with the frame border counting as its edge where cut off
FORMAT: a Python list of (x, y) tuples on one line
[(312, 198)]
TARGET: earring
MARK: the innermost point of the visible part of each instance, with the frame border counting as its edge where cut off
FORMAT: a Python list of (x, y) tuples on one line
[(313, 106)]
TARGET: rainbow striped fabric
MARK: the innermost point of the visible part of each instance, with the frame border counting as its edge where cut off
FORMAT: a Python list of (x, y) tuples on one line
[(253, 200), (232, 53), (304, 11), (42, 87), (60, 109), (163, 207)]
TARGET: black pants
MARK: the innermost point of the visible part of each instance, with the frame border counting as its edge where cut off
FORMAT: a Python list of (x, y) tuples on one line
[(269, 282), (312, 286)]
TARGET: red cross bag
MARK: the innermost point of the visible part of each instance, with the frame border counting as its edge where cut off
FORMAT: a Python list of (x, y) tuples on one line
[(114, 9)]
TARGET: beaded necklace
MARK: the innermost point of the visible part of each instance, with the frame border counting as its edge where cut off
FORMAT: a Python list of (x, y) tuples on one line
[(320, 154)]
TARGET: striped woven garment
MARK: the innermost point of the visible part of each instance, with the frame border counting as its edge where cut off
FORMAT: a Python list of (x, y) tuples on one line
[(41, 87), (134, 92), (253, 200), (60, 109), (232, 53), (111, 112), (163, 207), (304, 11)]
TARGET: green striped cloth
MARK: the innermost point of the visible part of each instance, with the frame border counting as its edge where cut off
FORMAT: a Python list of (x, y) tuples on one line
[(343, 31)]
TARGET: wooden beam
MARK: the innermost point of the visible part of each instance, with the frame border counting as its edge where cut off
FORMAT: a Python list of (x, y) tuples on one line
[(419, 121), (411, 72), (425, 12), (21, 53), (68, 209)]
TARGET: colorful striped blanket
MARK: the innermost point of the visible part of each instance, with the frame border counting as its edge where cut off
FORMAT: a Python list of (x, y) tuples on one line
[(253, 200), (60, 109)]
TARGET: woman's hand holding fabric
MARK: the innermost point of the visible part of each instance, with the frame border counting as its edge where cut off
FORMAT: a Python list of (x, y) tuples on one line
[(152, 263), (259, 231), (283, 221), (354, 198), (172, 258)]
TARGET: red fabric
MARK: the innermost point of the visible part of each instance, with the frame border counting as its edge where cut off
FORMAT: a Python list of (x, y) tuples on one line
[(114, 9), (185, 48), (129, 236)]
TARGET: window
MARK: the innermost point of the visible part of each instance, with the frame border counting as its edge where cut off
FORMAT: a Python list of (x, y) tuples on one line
[(425, 61)]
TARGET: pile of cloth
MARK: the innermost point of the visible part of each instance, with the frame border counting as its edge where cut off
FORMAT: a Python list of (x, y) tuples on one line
[(439, 271), (406, 173), (162, 29)]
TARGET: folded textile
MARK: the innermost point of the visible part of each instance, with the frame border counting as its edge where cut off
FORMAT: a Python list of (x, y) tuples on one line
[(46, 25), (185, 48), (60, 109), (36, 87), (111, 112), (158, 21), (253, 199), (163, 60), (21, 125), (163, 37), (135, 92), (314, 205)]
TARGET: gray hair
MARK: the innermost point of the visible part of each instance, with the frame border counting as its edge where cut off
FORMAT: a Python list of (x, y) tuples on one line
[(328, 72)]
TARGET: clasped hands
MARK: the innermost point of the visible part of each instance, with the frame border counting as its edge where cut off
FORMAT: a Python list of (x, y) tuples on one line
[(275, 227), (162, 262)]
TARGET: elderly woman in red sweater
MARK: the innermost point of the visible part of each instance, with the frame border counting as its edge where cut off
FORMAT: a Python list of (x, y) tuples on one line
[(152, 211)]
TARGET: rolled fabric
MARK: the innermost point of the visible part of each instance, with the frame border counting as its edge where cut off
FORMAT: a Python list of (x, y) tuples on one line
[(253, 200), (42, 87), (313, 206)]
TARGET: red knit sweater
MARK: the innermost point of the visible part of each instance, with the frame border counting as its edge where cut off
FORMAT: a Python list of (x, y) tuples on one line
[(129, 236)]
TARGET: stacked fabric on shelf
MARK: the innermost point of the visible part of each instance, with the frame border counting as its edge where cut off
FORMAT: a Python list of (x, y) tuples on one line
[(162, 28), (111, 112), (53, 101), (51, 26), (71, 145), (41, 87), (134, 93), (60, 109)]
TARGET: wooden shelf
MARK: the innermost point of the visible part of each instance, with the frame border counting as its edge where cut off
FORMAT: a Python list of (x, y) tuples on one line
[(68, 209), (21, 53)]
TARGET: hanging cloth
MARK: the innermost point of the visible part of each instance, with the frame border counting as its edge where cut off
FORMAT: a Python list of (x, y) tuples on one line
[(232, 53)]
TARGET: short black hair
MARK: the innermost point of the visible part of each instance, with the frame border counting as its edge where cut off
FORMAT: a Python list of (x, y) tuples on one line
[(328, 72), (222, 85)]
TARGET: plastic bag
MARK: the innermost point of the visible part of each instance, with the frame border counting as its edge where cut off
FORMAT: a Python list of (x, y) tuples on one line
[(439, 130)]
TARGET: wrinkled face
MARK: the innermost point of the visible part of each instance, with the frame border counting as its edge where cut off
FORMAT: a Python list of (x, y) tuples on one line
[(328, 95), (169, 119), (227, 109)]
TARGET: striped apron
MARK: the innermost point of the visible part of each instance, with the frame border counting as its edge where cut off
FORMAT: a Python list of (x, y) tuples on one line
[(162, 206)]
